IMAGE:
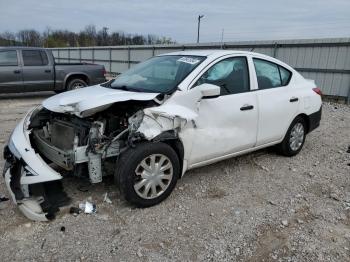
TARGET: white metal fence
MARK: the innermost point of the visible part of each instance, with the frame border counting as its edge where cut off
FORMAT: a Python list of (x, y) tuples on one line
[(327, 61)]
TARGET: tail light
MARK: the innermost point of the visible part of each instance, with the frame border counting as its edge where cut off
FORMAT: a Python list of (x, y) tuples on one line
[(104, 72), (317, 91)]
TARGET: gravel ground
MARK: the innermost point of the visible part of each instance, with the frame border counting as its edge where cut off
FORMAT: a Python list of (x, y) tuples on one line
[(257, 207)]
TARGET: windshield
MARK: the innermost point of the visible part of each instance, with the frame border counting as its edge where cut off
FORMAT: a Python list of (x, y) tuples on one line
[(159, 74)]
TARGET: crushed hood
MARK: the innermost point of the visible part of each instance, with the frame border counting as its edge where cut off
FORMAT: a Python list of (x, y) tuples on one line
[(89, 100)]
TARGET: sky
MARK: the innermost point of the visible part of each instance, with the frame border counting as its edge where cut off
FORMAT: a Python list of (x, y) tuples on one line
[(238, 20)]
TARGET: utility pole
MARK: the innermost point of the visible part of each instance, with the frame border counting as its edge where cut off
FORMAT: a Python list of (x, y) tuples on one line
[(199, 25), (222, 38)]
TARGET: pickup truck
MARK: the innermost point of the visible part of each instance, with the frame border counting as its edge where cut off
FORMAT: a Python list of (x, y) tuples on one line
[(29, 69)]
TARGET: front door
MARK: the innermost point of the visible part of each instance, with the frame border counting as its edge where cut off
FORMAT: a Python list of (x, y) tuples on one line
[(226, 124), (38, 74), (10, 72)]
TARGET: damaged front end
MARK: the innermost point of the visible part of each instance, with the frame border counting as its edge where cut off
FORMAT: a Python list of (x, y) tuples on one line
[(28, 177), (47, 146)]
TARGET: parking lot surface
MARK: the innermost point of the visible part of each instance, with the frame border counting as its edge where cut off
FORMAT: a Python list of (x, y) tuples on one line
[(257, 207)]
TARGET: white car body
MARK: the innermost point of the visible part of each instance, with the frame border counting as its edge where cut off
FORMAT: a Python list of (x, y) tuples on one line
[(210, 127)]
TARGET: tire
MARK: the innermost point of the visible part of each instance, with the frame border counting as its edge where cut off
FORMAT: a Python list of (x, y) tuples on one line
[(297, 133), (75, 83), (134, 173)]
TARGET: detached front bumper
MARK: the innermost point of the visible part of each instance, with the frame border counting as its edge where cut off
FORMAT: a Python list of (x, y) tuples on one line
[(24, 170)]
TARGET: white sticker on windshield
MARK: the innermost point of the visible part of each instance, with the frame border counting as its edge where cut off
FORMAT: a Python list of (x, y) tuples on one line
[(189, 60)]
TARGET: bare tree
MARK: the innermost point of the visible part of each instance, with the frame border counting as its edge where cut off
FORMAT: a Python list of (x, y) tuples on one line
[(8, 39), (87, 37), (29, 38)]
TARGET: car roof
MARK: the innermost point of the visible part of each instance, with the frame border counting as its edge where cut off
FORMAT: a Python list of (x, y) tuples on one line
[(211, 52), (201, 52)]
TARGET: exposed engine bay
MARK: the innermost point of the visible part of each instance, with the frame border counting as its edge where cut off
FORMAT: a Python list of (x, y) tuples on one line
[(78, 144)]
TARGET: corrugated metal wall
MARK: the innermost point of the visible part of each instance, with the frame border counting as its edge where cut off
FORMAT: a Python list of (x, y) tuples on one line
[(327, 61)]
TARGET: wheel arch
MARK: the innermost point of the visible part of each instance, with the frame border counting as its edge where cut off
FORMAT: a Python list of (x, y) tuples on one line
[(76, 75), (306, 119), (171, 139)]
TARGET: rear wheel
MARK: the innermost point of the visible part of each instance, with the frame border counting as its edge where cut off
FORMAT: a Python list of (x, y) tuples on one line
[(76, 84), (148, 173), (294, 140)]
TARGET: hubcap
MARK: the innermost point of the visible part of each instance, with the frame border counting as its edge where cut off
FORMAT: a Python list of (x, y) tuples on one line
[(77, 85), (296, 136), (153, 176)]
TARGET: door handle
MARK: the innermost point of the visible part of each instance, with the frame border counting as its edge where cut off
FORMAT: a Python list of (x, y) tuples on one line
[(47, 71), (293, 99), (246, 107), (17, 71)]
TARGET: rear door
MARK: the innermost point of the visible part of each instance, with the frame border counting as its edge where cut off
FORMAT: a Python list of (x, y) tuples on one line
[(226, 124), (278, 100), (38, 74), (10, 72)]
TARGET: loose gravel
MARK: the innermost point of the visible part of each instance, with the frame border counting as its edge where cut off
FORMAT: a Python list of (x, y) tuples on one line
[(257, 207)]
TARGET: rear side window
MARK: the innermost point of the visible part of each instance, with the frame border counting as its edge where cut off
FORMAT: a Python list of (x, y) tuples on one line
[(285, 75), (34, 58), (8, 58), (230, 74), (270, 75)]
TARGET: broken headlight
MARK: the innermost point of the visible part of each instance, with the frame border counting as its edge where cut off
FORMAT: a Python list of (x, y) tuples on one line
[(10, 150)]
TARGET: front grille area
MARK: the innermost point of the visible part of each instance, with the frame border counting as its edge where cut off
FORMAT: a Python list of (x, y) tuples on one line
[(63, 158), (56, 141), (62, 135)]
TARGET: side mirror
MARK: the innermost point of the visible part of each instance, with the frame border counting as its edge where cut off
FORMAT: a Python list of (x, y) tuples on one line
[(209, 90)]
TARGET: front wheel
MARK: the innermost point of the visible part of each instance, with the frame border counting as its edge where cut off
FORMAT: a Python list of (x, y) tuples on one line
[(148, 173), (294, 140)]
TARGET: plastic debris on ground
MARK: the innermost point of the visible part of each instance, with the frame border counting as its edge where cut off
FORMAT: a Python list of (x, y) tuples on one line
[(87, 207), (106, 198)]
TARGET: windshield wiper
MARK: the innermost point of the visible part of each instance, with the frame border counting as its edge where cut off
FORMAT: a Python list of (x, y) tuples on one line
[(126, 88), (108, 84)]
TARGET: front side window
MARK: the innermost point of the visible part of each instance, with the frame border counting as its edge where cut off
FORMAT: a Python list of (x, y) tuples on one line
[(34, 58), (160, 74), (8, 58), (230, 74), (270, 75)]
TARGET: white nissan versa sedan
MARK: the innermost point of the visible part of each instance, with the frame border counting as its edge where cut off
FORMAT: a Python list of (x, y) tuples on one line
[(151, 124)]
